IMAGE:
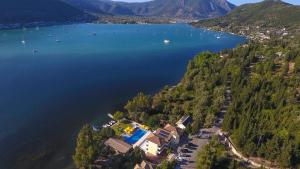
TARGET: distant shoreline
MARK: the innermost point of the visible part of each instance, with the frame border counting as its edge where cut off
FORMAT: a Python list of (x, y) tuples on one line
[(100, 20)]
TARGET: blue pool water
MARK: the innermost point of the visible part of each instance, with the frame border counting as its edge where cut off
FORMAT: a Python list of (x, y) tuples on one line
[(137, 134)]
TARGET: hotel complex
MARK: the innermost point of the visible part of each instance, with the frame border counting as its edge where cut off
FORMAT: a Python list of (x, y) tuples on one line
[(153, 143)]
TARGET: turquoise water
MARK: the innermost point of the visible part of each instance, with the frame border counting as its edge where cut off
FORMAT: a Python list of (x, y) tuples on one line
[(62, 77), (137, 134)]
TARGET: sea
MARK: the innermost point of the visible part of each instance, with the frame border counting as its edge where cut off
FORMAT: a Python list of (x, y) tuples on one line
[(55, 79)]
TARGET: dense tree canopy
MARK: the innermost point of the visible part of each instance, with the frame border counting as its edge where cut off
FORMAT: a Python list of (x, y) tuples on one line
[(90, 145)]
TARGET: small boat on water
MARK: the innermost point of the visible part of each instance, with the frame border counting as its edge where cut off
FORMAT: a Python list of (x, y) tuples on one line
[(166, 41), (23, 42), (218, 37), (34, 51)]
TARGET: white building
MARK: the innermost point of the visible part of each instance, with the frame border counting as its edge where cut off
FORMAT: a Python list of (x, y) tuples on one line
[(184, 122), (156, 142)]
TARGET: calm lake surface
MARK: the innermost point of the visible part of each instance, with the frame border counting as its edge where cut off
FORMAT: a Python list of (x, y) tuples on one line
[(55, 79)]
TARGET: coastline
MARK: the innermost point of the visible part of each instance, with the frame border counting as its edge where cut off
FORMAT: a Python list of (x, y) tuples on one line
[(167, 83)]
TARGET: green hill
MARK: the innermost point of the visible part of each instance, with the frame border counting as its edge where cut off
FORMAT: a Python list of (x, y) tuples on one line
[(272, 14)]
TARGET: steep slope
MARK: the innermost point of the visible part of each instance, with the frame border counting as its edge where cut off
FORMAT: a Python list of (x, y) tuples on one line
[(185, 9), (263, 118), (25, 11)]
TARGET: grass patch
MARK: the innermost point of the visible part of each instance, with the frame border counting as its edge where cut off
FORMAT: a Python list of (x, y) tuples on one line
[(120, 126)]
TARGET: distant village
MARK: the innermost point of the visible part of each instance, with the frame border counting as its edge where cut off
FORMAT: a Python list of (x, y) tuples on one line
[(258, 33)]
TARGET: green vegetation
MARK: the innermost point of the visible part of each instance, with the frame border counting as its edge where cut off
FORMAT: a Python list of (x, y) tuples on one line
[(120, 126), (138, 106), (126, 161), (118, 115), (267, 14), (199, 94), (90, 145), (167, 165), (264, 115), (263, 118), (215, 156)]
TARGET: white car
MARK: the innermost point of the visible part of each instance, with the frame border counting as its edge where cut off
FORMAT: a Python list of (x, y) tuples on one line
[(179, 158)]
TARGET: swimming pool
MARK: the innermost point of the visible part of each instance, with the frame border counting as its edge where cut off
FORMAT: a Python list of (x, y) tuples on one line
[(137, 134)]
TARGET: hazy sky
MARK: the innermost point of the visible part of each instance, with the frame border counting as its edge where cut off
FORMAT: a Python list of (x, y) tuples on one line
[(236, 2)]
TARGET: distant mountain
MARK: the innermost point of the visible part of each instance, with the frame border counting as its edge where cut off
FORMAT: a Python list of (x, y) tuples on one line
[(25, 11), (266, 14), (184, 9)]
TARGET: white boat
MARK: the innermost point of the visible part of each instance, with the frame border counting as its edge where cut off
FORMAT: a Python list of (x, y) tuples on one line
[(166, 41), (23, 42), (218, 37)]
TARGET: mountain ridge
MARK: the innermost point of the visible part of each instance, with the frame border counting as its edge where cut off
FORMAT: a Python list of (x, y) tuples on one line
[(184, 9)]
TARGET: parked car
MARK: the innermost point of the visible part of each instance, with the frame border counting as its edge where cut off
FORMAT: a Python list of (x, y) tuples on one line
[(200, 134), (192, 145), (184, 150), (179, 158)]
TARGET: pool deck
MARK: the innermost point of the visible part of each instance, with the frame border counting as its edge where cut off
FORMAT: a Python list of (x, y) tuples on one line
[(141, 140)]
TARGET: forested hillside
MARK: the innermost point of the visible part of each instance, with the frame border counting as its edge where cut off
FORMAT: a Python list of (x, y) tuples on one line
[(269, 13), (264, 116), (271, 17)]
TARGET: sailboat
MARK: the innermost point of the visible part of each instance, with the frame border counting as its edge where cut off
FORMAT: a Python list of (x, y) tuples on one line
[(23, 40), (57, 40), (166, 41)]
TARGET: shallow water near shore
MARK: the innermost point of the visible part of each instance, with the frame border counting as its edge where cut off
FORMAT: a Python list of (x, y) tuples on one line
[(55, 79)]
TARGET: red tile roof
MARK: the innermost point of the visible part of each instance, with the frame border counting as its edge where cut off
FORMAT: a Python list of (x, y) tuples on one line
[(118, 145), (155, 139)]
